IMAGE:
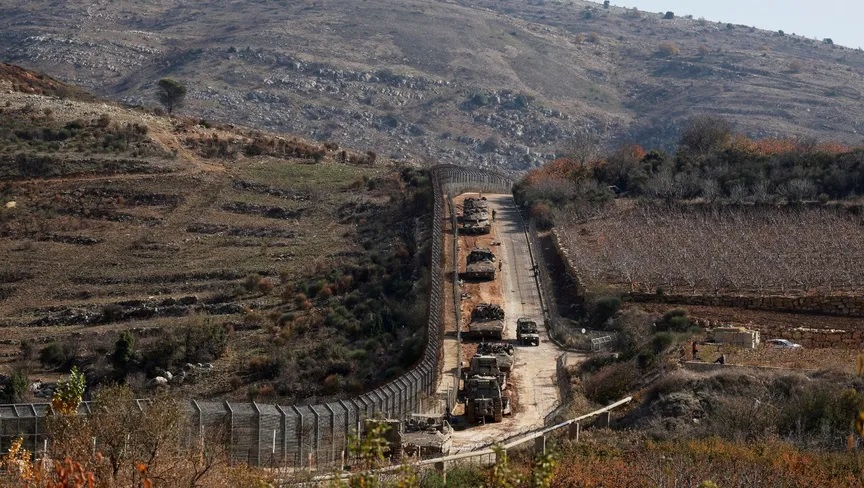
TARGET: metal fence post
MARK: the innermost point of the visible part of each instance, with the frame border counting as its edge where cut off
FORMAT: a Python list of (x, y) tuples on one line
[(299, 435), (258, 434), (230, 431)]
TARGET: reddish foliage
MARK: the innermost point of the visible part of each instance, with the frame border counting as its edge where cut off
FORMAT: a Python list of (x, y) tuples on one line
[(562, 168)]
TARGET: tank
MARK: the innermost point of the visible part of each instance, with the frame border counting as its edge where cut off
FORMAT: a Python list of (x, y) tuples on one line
[(526, 332), (487, 322), (485, 366), (502, 351), (480, 264), (476, 203), (475, 216), (485, 400)]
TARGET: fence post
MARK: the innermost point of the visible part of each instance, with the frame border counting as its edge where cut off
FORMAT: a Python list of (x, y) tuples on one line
[(284, 426), (258, 434), (573, 431), (441, 468), (299, 435), (317, 440), (540, 445), (332, 433), (231, 431)]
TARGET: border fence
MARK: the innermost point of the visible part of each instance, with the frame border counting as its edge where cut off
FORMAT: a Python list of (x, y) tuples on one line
[(312, 436)]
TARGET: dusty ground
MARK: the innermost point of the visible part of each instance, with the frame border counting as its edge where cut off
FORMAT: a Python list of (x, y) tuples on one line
[(533, 386)]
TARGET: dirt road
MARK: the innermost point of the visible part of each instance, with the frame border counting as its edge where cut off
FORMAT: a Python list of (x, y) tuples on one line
[(533, 383)]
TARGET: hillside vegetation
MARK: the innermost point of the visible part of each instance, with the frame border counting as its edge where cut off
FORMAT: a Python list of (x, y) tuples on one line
[(505, 84), (245, 263)]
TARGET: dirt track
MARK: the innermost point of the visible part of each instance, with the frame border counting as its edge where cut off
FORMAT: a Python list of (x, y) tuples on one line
[(533, 379)]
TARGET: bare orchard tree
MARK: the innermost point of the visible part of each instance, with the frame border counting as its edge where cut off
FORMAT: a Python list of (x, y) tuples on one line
[(583, 147), (719, 250)]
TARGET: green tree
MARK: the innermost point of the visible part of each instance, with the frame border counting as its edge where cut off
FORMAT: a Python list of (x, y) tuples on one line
[(17, 387), (124, 351), (171, 93)]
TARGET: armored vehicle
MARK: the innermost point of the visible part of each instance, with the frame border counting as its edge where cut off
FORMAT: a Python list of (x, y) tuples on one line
[(480, 264), (476, 222), (485, 366), (426, 436), (487, 321), (484, 399), (476, 203), (418, 436), (501, 350), (526, 332), (475, 216)]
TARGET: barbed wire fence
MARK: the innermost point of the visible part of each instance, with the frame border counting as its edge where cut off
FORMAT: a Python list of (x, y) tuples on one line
[(313, 437)]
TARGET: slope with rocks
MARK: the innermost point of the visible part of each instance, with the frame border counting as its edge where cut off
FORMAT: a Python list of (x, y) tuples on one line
[(500, 84)]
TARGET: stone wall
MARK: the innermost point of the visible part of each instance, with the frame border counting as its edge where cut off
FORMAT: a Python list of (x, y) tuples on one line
[(842, 305)]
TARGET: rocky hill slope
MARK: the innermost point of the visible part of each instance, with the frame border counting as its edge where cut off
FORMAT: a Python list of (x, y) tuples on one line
[(192, 242), (489, 83)]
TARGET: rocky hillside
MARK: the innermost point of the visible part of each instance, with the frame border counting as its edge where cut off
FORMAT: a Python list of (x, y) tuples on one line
[(190, 242), (484, 82)]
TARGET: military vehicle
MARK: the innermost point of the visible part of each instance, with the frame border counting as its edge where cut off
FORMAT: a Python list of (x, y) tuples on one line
[(475, 216), (501, 350), (485, 366), (426, 436), (476, 203), (476, 222), (480, 264), (422, 436), (487, 321), (484, 399), (526, 332)]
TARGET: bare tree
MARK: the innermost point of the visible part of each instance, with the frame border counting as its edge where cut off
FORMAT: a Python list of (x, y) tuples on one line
[(704, 133)]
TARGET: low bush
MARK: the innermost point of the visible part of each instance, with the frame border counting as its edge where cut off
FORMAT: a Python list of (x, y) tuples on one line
[(604, 309), (611, 383)]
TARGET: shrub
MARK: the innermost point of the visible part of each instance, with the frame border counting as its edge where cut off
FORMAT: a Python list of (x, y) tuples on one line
[(668, 48), (611, 383), (669, 15), (604, 309), (674, 321), (103, 121), (265, 286), (264, 368), (541, 212), (662, 341), (54, 355), (124, 351), (251, 282), (17, 387)]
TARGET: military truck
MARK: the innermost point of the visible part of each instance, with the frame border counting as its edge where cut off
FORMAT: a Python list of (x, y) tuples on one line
[(423, 436), (484, 399), (480, 264), (501, 350), (526, 332), (487, 322), (485, 366)]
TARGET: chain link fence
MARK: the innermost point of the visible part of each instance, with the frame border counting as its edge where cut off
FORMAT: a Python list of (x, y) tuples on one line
[(312, 436)]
